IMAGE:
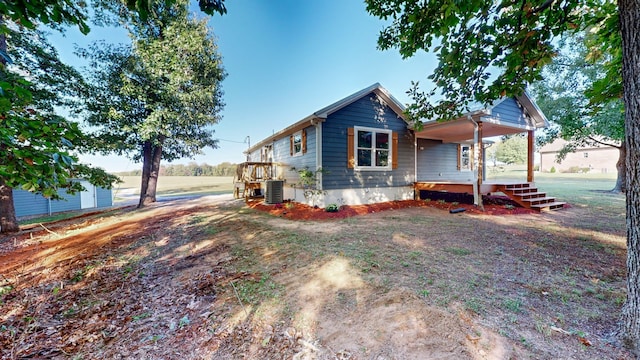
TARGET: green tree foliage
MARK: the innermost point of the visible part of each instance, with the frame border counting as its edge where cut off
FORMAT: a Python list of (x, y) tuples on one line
[(565, 96), (512, 150), (28, 13), (157, 98), (490, 49), (472, 39), (37, 146)]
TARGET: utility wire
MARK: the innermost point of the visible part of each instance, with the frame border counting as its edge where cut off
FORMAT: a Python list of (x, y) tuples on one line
[(233, 141)]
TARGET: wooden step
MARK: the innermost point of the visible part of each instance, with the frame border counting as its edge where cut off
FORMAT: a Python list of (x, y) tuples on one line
[(531, 195), (541, 200), (521, 190), (528, 196), (518, 186), (556, 205)]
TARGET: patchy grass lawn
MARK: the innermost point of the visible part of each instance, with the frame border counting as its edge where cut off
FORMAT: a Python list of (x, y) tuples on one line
[(207, 279)]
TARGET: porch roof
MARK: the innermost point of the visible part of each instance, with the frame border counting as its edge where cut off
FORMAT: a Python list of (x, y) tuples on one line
[(462, 129)]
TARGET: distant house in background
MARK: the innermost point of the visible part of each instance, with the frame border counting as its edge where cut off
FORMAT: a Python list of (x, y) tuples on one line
[(593, 159), (29, 204)]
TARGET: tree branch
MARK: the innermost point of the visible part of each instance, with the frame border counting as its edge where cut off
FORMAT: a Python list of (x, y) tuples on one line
[(603, 142), (542, 7)]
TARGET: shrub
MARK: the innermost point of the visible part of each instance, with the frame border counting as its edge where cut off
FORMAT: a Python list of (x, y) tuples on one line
[(553, 169), (332, 208), (577, 170)]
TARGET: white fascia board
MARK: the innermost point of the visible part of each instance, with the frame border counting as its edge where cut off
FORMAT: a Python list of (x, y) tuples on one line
[(492, 120), (532, 109)]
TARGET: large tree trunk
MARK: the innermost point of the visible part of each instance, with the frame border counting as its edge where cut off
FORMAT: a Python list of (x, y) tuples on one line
[(8, 221), (151, 156), (621, 183), (146, 171), (629, 11)]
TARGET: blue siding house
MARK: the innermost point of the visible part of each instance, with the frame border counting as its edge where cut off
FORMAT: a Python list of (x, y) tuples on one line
[(363, 150), (30, 204), (360, 148)]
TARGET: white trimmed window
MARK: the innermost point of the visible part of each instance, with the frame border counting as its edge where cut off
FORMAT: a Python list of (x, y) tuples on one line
[(464, 157), (373, 149), (296, 144)]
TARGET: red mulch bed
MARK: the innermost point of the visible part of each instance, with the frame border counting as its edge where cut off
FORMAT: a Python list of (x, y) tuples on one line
[(298, 211)]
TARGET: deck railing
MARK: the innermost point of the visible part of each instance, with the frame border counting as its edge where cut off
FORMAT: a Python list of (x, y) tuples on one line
[(249, 178)]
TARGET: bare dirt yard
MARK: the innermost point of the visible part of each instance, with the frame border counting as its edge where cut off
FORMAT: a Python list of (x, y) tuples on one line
[(215, 279)]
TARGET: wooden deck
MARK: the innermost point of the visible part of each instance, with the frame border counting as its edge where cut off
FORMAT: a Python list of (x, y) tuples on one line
[(524, 194), (250, 178), (456, 187)]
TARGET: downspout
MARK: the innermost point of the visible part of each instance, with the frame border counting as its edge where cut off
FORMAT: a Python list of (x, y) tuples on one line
[(477, 199), (415, 166), (317, 122)]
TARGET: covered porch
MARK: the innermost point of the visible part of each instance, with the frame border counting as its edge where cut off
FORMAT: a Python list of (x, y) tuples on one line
[(469, 133)]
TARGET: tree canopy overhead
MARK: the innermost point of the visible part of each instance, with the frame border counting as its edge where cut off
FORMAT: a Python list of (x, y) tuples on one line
[(472, 39), (490, 49), (29, 13)]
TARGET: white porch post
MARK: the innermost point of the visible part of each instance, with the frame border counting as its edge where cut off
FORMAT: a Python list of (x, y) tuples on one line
[(477, 162), (478, 150)]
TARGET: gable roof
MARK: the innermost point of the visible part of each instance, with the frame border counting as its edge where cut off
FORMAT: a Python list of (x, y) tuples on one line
[(530, 107), (322, 114)]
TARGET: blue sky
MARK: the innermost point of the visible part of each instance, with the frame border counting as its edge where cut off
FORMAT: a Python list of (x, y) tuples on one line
[(285, 59)]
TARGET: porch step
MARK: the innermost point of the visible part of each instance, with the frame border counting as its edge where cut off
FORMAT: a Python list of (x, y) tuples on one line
[(531, 195), (556, 205), (517, 186), (523, 190), (539, 200), (528, 196)]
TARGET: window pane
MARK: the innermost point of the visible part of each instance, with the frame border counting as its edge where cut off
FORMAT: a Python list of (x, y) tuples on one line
[(364, 157), (297, 143), (464, 157), (382, 140), (364, 139), (382, 158)]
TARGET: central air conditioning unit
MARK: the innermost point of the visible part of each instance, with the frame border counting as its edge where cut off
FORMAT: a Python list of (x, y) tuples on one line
[(274, 192)]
